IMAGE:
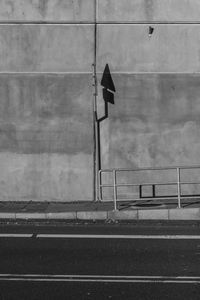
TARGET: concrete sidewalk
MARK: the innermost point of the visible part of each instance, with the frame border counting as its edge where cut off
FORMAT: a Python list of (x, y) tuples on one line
[(85, 210)]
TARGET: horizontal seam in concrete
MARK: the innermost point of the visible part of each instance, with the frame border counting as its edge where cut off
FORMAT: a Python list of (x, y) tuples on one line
[(125, 23), (150, 73), (93, 22), (14, 23), (46, 73), (90, 73), (52, 22)]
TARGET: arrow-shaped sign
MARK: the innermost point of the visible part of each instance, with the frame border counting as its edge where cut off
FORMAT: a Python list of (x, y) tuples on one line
[(106, 80)]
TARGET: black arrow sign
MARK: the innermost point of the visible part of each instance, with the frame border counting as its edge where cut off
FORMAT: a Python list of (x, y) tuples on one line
[(106, 80)]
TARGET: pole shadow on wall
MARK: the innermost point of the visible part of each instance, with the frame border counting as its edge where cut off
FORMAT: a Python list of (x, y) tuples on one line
[(108, 97)]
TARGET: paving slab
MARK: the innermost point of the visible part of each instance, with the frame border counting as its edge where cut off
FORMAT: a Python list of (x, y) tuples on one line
[(61, 215), (153, 214), (30, 216), (92, 215), (184, 214), (123, 215)]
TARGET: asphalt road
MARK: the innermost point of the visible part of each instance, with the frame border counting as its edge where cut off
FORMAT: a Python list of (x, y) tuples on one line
[(99, 262)]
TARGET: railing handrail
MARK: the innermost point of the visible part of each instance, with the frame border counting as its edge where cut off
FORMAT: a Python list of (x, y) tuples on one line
[(150, 183), (150, 168), (115, 184)]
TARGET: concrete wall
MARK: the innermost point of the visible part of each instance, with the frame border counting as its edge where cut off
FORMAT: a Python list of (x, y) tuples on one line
[(47, 10), (155, 119), (148, 10), (46, 93), (128, 48), (46, 100)]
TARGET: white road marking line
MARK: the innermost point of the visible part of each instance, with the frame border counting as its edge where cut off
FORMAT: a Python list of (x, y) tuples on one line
[(100, 278), (98, 236), (19, 235), (118, 236)]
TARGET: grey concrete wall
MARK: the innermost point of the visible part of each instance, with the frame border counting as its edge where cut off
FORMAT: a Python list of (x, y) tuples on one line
[(46, 94), (46, 100), (154, 123), (128, 48), (148, 10), (46, 137), (47, 10), (155, 119), (46, 48)]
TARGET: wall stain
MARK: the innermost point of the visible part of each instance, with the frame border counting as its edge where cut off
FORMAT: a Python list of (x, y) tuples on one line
[(8, 137), (77, 4), (149, 9), (44, 114), (43, 7), (11, 7)]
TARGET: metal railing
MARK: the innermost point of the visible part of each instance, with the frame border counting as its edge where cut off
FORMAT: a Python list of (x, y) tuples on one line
[(114, 185)]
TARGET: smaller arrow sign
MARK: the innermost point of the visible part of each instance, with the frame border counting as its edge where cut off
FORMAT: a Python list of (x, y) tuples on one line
[(108, 96)]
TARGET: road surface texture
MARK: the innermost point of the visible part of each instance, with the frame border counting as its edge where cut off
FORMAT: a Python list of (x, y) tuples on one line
[(99, 261)]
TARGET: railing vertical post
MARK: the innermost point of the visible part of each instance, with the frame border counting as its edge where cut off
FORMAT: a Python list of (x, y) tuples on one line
[(140, 191), (153, 190), (100, 187), (178, 187), (115, 189)]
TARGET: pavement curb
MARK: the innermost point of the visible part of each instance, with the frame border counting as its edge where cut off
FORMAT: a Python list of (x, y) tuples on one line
[(150, 214)]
